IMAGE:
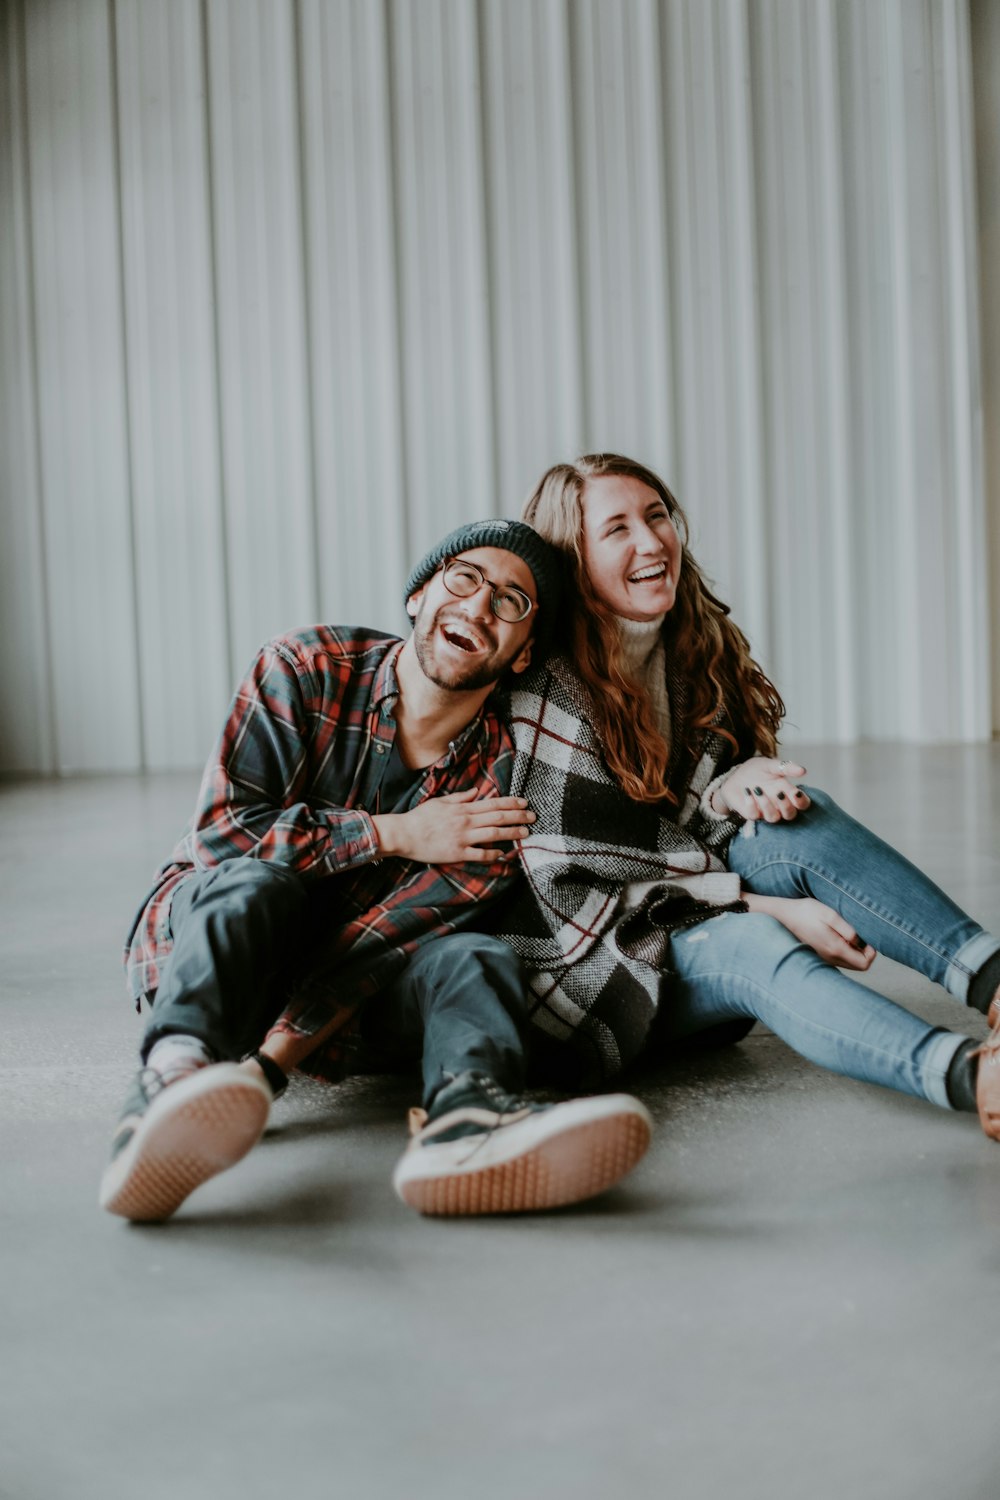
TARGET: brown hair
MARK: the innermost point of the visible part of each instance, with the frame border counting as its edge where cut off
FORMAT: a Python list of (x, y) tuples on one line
[(703, 644)]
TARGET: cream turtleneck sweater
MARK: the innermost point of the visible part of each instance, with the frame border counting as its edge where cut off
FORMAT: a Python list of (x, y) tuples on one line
[(646, 664)]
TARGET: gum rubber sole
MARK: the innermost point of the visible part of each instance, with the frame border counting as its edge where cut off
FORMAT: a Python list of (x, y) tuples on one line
[(988, 1088), (193, 1130), (568, 1164)]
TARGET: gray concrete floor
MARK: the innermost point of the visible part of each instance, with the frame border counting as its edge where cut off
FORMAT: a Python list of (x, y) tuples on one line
[(796, 1294)]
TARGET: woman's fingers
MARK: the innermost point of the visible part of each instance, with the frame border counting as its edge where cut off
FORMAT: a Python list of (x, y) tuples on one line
[(851, 950), (849, 956)]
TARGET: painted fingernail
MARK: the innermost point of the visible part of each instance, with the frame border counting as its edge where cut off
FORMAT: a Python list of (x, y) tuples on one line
[(759, 790), (781, 796), (748, 791)]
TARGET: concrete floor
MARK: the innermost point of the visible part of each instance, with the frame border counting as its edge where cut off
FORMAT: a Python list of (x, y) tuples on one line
[(796, 1294)]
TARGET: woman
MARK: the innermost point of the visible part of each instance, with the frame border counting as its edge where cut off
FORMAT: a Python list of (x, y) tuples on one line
[(679, 881)]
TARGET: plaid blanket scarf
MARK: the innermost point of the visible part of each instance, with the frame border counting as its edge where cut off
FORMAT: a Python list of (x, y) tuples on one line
[(595, 962)]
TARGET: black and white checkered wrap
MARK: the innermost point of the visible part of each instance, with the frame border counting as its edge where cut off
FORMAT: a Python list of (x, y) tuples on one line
[(594, 973)]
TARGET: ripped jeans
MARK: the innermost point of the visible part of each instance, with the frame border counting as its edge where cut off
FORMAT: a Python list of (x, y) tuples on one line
[(747, 965)]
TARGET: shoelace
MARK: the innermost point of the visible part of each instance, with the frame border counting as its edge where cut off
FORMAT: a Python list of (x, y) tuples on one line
[(152, 1081), (510, 1105)]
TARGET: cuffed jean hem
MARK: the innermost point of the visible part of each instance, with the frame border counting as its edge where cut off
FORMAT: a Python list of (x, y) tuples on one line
[(941, 1050), (967, 962)]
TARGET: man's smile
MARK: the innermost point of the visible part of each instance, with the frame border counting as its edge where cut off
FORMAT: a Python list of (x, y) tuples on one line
[(462, 637)]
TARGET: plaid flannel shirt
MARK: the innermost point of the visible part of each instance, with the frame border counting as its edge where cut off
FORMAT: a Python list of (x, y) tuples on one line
[(294, 779)]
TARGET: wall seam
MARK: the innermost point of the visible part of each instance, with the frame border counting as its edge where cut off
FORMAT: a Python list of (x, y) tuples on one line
[(233, 667), (490, 257), (397, 271), (50, 727), (317, 580), (133, 548)]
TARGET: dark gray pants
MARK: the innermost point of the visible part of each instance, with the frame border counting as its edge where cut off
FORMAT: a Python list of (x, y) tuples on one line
[(239, 930)]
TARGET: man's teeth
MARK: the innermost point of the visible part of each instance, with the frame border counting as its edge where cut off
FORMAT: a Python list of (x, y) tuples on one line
[(647, 573), (463, 642)]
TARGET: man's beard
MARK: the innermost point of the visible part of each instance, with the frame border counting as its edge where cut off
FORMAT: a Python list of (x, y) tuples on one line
[(483, 672)]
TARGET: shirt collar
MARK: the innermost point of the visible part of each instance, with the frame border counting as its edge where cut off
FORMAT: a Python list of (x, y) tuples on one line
[(385, 691), (385, 683)]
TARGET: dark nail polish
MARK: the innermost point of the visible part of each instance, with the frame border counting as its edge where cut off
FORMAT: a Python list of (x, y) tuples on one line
[(748, 791), (759, 790), (781, 796)]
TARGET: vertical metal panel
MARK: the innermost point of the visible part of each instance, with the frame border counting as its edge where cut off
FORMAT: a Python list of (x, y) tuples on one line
[(81, 375), (447, 394), (622, 227), (803, 301), (919, 500), (173, 409), (717, 465), (907, 142), (259, 285), (962, 381), (26, 738), (532, 241), (984, 45), (353, 317), (874, 405)]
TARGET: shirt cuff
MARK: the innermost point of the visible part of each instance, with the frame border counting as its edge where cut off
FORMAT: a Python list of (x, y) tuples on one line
[(355, 841), (705, 804)]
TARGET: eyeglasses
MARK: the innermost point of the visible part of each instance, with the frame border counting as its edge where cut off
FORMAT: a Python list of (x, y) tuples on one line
[(463, 579)]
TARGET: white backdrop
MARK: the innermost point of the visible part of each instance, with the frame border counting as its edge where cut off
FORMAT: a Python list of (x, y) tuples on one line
[(290, 287)]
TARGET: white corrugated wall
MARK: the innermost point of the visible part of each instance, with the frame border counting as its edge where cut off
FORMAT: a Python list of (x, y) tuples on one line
[(290, 287)]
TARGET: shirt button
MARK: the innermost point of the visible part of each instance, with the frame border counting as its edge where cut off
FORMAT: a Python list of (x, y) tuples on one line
[(379, 749)]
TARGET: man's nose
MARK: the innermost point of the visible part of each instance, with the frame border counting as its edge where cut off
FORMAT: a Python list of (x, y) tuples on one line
[(480, 603)]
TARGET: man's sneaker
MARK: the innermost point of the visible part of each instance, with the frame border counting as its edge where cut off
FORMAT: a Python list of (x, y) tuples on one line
[(988, 1074), (175, 1135), (482, 1151)]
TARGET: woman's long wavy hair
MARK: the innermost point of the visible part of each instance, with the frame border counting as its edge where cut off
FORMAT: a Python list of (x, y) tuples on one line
[(703, 644)]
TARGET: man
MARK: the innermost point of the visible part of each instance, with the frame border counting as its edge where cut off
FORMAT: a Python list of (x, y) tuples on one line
[(349, 826)]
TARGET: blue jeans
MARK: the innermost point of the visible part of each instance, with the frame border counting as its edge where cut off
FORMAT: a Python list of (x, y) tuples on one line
[(749, 965), (457, 1005)]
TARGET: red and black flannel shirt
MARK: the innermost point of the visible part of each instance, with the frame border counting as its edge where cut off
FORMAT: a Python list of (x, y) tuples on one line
[(294, 779)]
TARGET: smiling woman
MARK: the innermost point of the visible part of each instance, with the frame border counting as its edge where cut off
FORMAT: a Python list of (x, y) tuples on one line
[(679, 881)]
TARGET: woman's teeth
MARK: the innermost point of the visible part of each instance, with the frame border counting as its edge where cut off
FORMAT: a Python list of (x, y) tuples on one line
[(644, 575)]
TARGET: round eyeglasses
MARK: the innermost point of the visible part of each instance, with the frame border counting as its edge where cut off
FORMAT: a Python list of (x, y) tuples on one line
[(463, 579)]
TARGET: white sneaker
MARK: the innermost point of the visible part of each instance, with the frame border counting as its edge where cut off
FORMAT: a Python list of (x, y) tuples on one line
[(175, 1135), (482, 1151)]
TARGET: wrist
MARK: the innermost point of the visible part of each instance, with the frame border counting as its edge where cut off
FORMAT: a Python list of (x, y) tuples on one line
[(387, 832), (719, 803)]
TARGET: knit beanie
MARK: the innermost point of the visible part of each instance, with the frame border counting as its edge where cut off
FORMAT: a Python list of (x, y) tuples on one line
[(544, 560)]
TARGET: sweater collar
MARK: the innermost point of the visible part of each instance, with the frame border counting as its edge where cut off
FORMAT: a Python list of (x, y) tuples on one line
[(639, 639)]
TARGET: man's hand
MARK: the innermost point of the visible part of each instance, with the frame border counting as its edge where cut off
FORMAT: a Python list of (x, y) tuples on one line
[(763, 788), (460, 828), (818, 926)]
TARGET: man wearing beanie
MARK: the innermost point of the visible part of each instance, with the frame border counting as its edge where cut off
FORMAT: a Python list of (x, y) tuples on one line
[(352, 824)]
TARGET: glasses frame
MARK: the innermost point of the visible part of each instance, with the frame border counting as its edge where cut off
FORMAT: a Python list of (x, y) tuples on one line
[(507, 588)]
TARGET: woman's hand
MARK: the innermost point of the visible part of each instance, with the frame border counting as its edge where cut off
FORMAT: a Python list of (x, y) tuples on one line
[(762, 788), (818, 926)]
